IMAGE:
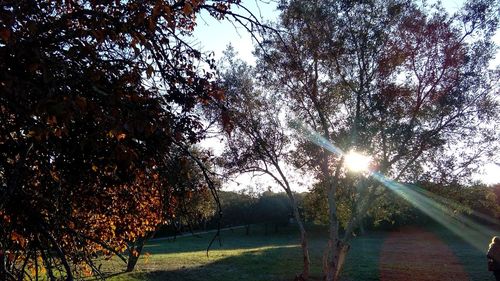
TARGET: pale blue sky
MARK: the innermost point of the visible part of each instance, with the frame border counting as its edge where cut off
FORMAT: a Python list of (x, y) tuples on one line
[(214, 35)]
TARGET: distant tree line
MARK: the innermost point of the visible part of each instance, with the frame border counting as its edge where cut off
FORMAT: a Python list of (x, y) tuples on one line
[(273, 209), (270, 209), (477, 201)]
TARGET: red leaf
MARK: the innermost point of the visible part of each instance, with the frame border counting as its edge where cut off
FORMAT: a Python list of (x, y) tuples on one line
[(5, 34)]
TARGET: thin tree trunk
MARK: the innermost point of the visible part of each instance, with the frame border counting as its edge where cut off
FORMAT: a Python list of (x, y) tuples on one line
[(134, 254), (332, 264), (335, 265), (303, 240), (303, 234), (305, 253), (48, 266), (135, 251), (337, 249)]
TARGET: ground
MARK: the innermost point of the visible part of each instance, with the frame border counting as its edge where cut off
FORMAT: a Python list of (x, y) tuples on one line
[(409, 253), (413, 253)]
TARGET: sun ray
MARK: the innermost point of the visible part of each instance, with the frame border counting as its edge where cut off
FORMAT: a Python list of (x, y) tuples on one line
[(442, 210)]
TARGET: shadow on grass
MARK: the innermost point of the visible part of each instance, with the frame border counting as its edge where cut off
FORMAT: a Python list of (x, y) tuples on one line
[(275, 263), (229, 240)]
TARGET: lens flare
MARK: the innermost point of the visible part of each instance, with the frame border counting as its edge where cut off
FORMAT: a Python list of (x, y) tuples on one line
[(442, 210), (357, 162)]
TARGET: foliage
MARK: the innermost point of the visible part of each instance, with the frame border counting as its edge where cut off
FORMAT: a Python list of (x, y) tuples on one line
[(316, 205), (390, 210), (274, 208), (257, 142), (237, 208), (186, 195), (93, 96), (469, 199), (496, 190), (408, 85)]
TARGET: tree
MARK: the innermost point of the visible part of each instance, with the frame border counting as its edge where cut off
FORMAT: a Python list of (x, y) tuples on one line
[(93, 95), (238, 209), (257, 141), (273, 208), (316, 205), (408, 85), (186, 196), (496, 190)]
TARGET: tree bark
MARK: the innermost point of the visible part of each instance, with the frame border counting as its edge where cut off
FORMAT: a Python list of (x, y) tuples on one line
[(133, 255), (332, 264), (135, 251), (305, 254), (335, 265), (303, 242)]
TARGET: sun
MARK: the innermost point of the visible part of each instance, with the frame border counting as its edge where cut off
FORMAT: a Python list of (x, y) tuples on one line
[(357, 162)]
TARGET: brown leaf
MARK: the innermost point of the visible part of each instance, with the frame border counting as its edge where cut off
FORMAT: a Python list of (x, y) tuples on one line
[(121, 136), (187, 9), (149, 71), (5, 34)]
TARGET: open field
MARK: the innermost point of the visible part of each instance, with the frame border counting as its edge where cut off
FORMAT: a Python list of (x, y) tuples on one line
[(418, 253)]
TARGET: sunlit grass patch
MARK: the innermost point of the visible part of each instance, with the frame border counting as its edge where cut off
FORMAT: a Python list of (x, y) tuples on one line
[(252, 257), (276, 257)]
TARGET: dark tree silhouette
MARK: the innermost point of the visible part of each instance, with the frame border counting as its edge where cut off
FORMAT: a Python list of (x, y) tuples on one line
[(93, 95)]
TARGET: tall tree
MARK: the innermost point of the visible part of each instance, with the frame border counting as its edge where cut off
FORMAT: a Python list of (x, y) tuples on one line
[(92, 96), (407, 84), (258, 141)]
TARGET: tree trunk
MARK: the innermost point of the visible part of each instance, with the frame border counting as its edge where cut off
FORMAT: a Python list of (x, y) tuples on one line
[(135, 251), (303, 237), (305, 254), (336, 262), (304, 276), (132, 261), (334, 256)]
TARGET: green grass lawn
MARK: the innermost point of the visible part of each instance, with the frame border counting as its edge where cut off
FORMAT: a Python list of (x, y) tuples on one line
[(473, 260), (276, 256)]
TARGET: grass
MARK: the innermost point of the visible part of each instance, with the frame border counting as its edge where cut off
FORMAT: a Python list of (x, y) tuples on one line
[(276, 256), (473, 260), (253, 257)]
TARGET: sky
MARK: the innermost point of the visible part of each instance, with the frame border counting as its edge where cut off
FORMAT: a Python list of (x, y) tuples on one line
[(212, 35)]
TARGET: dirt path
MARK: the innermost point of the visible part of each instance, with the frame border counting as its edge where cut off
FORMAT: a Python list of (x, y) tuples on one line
[(418, 255)]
